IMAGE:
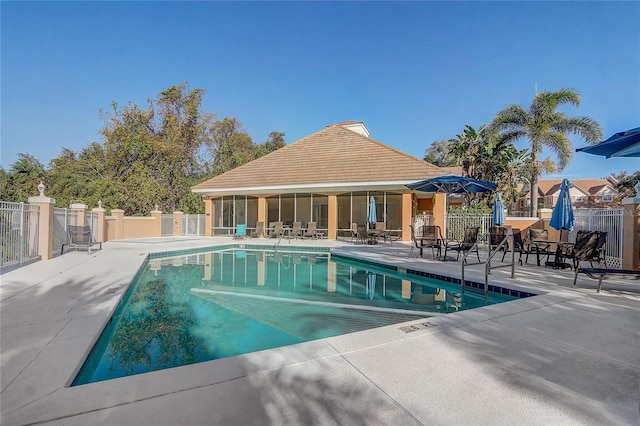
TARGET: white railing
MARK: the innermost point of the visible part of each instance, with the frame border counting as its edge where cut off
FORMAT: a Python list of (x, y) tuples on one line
[(18, 234), (193, 224), (608, 220), (421, 220), (457, 223)]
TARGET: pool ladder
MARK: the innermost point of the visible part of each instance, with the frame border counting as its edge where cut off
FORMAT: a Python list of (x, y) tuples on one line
[(487, 263)]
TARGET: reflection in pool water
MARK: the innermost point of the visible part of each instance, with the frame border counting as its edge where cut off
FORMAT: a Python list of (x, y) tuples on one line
[(187, 309)]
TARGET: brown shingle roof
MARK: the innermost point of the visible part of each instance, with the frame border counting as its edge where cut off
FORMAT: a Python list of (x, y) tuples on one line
[(331, 156)]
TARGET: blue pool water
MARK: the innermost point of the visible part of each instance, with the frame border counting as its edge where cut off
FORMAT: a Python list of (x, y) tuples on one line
[(186, 309)]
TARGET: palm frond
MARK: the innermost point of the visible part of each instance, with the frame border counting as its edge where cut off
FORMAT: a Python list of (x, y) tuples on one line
[(560, 144), (586, 127)]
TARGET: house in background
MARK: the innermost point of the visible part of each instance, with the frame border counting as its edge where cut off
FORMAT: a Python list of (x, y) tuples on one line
[(328, 178), (586, 193)]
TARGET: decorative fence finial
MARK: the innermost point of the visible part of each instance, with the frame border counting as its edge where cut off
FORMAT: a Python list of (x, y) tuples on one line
[(100, 204), (41, 189), (156, 207)]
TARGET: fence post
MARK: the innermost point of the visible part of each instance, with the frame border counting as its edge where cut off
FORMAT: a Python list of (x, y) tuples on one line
[(80, 208), (157, 222), (45, 223), (118, 214), (177, 223), (631, 226), (99, 232)]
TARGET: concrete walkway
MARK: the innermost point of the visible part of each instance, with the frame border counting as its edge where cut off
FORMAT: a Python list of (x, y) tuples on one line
[(567, 356)]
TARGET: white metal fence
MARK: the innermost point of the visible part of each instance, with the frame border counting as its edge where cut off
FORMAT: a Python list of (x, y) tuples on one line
[(166, 225), (18, 234), (62, 218), (193, 224), (457, 223), (608, 220)]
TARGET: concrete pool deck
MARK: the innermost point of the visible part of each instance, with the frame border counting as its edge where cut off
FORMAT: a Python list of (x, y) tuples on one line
[(566, 356)]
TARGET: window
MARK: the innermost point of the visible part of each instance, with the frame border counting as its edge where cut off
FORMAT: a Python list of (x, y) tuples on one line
[(607, 198), (580, 198)]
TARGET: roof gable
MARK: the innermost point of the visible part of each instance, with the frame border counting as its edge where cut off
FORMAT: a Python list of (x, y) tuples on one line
[(332, 155)]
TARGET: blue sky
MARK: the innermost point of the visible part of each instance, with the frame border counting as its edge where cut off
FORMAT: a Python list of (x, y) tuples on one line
[(414, 72)]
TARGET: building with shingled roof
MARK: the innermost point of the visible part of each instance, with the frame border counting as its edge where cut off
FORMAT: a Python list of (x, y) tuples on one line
[(328, 178)]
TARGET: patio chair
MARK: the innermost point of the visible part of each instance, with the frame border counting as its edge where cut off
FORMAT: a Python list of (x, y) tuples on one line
[(466, 244), (80, 237), (277, 231), (601, 274), (361, 236), (497, 234), (296, 230), (256, 233), (539, 241), (520, 246), (241, 232), (381, 231), (432, 237), (354, 232), (589, 246), (312, 231), (416, 243)]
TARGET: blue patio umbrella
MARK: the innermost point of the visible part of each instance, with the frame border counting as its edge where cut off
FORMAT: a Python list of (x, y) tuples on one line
[(498, 211), (372, 218), (562, 216), (451, 184), (621, 144)]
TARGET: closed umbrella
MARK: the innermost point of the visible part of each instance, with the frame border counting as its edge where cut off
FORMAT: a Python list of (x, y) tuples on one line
[(372, 218), (498, 211), (621, 144), (562, 217)]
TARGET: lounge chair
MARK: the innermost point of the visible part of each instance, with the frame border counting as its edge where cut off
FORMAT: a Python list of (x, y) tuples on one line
[(259, 231), (466, 244), (296, 230), (381, 231), (80, 237), (604, 273), (241, 231), (311, 231), (277, 231), (589, 246)]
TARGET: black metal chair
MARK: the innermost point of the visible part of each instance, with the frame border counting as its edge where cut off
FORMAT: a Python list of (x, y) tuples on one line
[(589, 246), (432, 237), (466, 244), (415, 242)]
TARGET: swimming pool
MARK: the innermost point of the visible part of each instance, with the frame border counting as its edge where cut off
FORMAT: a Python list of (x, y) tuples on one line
[(191, 308)]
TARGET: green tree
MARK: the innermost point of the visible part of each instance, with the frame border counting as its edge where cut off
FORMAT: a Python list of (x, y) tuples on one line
[(230, 145), (21, 180), (436, 154), (545, 127), (152, 154)]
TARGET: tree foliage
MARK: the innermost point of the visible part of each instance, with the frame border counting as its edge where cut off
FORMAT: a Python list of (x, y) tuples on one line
[(626, 183), (545, 127), (148, 157)]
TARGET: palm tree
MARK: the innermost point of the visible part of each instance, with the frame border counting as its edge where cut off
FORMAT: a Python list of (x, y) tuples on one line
[(545, 127)]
